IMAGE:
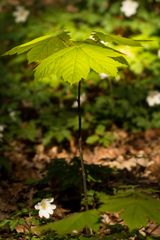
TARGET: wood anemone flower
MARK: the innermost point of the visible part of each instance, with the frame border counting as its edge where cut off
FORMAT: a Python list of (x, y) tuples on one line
[(45, 207)]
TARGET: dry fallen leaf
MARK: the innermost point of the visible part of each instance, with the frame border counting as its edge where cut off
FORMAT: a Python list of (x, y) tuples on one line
[(21, 229)]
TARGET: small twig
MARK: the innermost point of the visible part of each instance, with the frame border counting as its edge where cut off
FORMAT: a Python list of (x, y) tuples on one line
[(80, 148)]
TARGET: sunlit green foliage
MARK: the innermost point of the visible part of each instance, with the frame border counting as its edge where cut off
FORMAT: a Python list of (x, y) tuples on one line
[(42, 47), (87, 17), (71, 60)]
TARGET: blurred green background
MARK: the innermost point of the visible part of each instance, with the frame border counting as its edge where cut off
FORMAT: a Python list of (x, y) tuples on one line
[(46, 113)]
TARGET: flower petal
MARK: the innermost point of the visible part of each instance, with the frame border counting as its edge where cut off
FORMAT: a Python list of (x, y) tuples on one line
[(37, 206), (43, 213), (49, 200)]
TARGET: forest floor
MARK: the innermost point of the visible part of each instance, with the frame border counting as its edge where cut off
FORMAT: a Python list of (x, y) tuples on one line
[(137, 155)]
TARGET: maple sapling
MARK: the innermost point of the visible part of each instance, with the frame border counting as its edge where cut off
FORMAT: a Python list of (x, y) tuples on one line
[(58, 56)]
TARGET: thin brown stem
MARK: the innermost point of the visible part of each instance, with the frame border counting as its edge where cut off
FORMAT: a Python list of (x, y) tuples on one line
[(84, 180)]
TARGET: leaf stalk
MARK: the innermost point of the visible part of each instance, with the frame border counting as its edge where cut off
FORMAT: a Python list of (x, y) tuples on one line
[(84, 180)]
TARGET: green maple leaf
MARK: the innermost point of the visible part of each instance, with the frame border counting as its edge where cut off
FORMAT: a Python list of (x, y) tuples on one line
[(42, 47), (59, 57), (135, 208), (75, 62), (75, 221), (117, 39)]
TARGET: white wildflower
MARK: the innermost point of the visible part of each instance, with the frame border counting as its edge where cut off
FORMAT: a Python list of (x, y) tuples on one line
[(103, 75), (45, 207), (21, 14), (129, 7), (153, 98), (83, 99)]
